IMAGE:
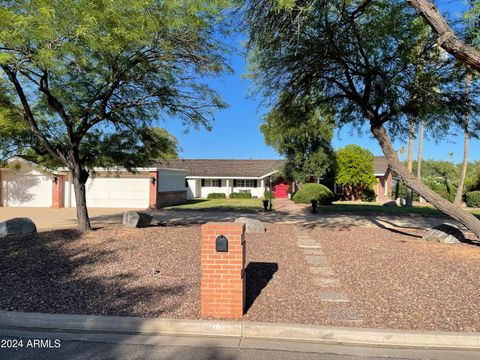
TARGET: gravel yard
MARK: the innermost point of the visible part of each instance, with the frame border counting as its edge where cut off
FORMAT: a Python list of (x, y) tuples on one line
[(392, 280)]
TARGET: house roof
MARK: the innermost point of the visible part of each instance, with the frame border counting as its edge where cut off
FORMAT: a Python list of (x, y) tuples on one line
[(223, 167), (380, 165)]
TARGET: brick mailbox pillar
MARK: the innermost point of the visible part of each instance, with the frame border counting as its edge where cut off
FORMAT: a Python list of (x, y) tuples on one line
[(58, 192), (222, 291)]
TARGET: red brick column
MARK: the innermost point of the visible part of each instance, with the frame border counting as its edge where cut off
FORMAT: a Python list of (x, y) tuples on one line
[(153, 189), (222, 290), (58, 192)]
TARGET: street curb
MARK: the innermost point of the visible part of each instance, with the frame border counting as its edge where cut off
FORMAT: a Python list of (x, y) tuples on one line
[(240, 330)]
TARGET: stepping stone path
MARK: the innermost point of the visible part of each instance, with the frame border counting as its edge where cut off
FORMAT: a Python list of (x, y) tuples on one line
[(336, 302)]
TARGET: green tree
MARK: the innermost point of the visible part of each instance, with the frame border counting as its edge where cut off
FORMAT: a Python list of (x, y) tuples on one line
[(363, 60), (84, 83), (302, 133), (354, 170)]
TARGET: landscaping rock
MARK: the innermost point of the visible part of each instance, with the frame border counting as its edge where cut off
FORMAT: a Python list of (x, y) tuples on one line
[(391, 204), (133, 219), (252, 225), (17, 226), (445, 234), (401, 201)]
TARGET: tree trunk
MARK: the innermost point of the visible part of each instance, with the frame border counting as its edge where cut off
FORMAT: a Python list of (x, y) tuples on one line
[(79, 178), (446, 36), (466, 219), (411, 138), (463, 172)]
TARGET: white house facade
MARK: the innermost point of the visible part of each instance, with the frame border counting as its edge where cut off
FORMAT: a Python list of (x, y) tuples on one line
[(207, 176), (167, 182)]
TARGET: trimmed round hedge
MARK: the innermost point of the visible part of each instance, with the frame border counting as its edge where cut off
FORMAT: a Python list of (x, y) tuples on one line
[(472, 199), (309, 192)]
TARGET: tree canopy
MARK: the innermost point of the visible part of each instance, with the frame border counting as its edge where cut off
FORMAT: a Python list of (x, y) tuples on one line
[(373, 62), (87, 83), (303, 134), (354, 169)]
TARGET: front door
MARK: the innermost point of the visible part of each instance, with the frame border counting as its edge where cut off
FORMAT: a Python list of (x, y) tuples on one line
[(281, 190)]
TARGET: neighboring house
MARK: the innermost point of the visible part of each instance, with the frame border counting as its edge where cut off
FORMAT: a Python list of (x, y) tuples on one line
[(25, 184), (384, 180), (206, 176)]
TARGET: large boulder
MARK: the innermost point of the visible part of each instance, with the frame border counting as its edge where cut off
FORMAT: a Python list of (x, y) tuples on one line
[(391, 204), (445, 234), (251, 225), (17, 226), (133, 219)]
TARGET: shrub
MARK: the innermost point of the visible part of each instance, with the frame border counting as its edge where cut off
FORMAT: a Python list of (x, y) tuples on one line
[(237, 195), (369, 195), (472, 199), (266, 195), (309, 192), (216, 196)]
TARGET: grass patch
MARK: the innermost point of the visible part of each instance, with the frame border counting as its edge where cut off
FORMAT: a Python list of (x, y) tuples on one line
[(252, 205), (374, 208)]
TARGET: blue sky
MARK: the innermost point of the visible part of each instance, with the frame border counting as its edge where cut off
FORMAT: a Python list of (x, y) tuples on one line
[(236, 130)]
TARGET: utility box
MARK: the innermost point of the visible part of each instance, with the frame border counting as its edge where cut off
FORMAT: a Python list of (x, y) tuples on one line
[(222, 290)]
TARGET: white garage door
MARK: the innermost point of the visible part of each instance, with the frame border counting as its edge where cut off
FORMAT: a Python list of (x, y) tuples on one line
[(116, 192), (27, 189)]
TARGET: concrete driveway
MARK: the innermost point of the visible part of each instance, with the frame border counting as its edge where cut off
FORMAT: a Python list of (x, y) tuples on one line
[(48, 218)]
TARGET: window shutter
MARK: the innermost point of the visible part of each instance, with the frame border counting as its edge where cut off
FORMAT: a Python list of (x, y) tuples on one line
[(219, 182), (203, 182), (234, 182), (255, 182)]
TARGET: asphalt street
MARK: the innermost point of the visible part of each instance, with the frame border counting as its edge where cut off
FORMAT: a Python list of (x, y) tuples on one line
[(125, 347)]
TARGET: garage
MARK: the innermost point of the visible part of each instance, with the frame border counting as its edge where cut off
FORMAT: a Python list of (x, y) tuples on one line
[(25, 184), (123, 191), (26, 187)]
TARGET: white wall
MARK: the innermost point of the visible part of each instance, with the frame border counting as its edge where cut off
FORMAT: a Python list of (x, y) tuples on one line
[(171, 180), (192, 190), (226, 188), (124, 190), (26, 187), (205, 190)]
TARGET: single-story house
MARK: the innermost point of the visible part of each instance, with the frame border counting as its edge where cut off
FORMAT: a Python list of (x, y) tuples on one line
[(206, 176), (25, 184), (166, 182)]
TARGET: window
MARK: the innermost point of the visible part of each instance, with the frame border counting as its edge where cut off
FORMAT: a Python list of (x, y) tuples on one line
[(211, 183), (249, 183)]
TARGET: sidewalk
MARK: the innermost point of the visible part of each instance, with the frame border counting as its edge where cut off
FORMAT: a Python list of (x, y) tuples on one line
[(236, 330)]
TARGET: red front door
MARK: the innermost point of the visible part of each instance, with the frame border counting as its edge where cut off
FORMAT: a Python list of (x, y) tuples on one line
[(281, 190)]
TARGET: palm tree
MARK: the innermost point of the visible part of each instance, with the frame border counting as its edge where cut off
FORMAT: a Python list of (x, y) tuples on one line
[(463, 171), (420, 150), (411, 138)]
